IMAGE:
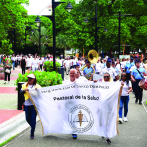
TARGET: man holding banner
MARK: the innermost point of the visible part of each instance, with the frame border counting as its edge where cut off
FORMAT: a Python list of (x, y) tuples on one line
[(78, 108)]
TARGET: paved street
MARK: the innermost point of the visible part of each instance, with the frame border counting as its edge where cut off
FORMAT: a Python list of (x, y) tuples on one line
[(132, 133)]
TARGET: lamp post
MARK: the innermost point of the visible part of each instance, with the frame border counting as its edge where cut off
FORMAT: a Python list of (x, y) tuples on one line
[(27, 28), (52, 17), (38, 22), (96, 27), (119, 40)]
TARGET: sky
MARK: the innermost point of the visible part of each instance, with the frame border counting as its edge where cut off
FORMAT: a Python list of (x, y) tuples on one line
[(36, 6)]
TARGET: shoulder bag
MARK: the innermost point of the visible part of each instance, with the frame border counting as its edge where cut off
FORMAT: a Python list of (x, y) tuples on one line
[(140, 73)]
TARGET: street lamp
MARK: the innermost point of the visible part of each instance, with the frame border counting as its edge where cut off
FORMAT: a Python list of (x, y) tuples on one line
[(69, 7), (38, 22), (86, 20), (96, 27), (27, 28), (52, 17), (105, 30)]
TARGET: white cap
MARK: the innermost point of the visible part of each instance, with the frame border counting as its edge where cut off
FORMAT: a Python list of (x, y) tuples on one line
[(31, 76)]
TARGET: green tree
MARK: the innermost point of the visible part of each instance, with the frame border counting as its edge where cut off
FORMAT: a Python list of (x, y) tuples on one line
[(133, 28), (63, 42), (6, 47)]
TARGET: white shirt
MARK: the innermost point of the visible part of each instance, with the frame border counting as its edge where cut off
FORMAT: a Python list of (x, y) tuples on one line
[(29, 62), (40, 62), (60, 61), (35, 63), (118, 67), (67, 81), (123, 64), (126, 88), (132, 68), (67, 63), (98, 67), (16, 58), (81, 79), (13, 58), (28, 101), (142, 65), (75, 61), (110, 70), (19, 58)]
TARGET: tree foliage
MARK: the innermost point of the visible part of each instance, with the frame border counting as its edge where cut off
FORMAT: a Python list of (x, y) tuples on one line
[(133, 28), (6, 47)]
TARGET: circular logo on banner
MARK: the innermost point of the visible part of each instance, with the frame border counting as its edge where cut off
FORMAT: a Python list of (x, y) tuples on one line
[(80, 118)]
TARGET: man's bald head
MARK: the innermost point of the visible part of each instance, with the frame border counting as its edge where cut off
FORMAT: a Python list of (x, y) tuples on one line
[(72, 74)]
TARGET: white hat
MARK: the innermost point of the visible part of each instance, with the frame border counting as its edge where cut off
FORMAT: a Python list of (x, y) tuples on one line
[(31, 76)]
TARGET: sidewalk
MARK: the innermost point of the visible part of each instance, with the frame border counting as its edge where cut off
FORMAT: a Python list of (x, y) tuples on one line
[(12, 121), (9, 115)]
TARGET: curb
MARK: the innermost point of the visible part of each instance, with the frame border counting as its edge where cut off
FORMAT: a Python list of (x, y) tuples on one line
[(13, 126), (144, 105)]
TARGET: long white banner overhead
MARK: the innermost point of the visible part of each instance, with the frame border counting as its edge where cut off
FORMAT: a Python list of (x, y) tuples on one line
[(78, 108)]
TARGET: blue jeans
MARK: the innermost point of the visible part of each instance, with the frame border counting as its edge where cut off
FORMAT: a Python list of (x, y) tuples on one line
[(31, 117), (123, 100), (34, 69), (13, 64)]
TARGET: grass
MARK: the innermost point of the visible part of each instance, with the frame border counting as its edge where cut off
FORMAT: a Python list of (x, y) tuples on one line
[(5, 142)]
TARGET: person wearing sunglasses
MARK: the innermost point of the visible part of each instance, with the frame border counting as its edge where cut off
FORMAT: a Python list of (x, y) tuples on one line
[(30, 111), (109, 69), (124, 100), (107, 78)]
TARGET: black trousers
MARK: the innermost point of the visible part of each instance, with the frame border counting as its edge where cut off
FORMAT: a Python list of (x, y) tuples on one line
[(23, 69), (41, 66), (7, 75), (138, 91), (128, 76)]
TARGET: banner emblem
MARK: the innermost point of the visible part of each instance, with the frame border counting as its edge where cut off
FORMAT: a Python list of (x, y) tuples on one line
[(80, 118)]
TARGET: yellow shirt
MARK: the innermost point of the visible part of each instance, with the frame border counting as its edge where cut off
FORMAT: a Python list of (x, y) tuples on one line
[(26, 94)]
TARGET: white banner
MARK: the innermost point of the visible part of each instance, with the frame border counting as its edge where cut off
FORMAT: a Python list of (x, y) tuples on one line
[(78, 108)]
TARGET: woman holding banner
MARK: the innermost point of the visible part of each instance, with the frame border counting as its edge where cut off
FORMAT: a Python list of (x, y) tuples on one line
[(30, 111)]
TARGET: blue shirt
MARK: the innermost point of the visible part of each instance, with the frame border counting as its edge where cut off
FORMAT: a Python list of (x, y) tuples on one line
[(104, 65), (132, 64), (88, 72), (127, 67), (136, 74), (116, 70)]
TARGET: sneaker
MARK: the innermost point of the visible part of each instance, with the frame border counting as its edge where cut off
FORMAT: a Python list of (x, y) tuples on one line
[(140, 103), (136, 101), (120, 120), (108, 140), (4, 82), (32, 137), (74, 136), (125, 119)]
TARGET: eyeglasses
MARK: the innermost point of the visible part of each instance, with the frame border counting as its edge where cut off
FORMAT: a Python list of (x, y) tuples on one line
[(106, 76)]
